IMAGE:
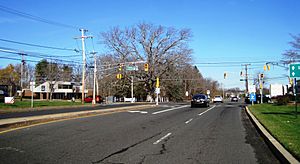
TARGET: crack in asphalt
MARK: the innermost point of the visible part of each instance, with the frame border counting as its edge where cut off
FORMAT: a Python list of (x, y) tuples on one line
[(161, 152), (126, 148)]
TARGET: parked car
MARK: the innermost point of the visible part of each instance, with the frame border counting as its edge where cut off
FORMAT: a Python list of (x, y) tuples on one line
[(234, 99), (266, 99), (89, 99), (200, 100), (218, 98)]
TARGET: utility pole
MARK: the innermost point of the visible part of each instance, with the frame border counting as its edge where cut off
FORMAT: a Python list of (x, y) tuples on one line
[(132, 101), (94, 83), (246, 80), (22, 69), (260, 79), (84, 63), (82, 37)]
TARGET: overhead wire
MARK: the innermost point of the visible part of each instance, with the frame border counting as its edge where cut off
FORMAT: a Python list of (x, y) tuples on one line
[(37, 45), (35, 18), (36, 55)]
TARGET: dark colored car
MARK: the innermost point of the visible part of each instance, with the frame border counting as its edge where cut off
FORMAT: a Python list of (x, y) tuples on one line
[(234, 99), (200, 100), (89, 99), (258, 99)]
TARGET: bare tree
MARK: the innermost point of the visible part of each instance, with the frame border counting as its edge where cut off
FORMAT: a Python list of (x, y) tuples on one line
[(161, 47), (292, 55)]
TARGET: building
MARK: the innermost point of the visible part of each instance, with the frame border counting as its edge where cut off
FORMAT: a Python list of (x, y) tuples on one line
[(61, 90)]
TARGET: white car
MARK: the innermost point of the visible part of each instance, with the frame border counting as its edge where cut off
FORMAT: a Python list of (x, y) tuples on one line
[(218, 98)]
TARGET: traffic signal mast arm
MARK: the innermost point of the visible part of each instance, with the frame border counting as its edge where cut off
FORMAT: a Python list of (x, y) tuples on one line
[(274, 63)]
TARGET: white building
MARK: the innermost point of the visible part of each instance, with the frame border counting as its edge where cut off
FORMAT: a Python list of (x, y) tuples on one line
[(61, 90)]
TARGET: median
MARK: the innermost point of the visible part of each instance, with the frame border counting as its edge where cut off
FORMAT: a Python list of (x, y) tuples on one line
[(282, 122)]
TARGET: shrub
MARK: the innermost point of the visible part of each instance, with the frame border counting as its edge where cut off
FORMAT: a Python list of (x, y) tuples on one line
[(284, 100)]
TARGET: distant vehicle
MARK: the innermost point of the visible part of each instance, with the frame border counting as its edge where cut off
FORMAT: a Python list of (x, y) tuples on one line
[(266, 99), (89, 99), (218, 98), (200, 100), (234, 99), (2, 96)]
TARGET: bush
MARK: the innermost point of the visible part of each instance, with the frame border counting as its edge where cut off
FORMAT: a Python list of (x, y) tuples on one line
[(284, 100)]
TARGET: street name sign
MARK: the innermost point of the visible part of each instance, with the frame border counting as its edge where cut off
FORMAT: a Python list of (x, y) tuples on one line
[(131, 68), (294, 70)]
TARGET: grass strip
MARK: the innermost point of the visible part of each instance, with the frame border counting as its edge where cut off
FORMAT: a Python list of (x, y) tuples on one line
[(282, 122)]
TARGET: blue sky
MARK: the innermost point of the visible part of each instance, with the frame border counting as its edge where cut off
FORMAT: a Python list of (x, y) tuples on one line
[(242, 31)]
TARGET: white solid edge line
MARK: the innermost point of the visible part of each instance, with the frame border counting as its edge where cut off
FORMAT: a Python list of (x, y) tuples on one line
[(207, 110), (167, 110), (162, 138), (188, 121)]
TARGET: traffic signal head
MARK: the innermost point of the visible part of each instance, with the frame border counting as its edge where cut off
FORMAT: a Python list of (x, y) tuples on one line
[(225, 75), (119, 76), (120, 67), (241, 74), (267, 67), (261, 75), (146, 67)]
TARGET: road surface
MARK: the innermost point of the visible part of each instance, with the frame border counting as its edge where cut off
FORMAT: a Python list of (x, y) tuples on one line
[(173, 133)]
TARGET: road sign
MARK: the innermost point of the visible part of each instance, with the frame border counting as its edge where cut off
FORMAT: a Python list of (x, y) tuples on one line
[(242, 79), (131, 68), (252, 97), (251, 88), (294, 70), (157, 90), (208, 92)]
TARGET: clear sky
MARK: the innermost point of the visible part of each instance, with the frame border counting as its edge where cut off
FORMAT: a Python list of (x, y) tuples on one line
[(241, 31)]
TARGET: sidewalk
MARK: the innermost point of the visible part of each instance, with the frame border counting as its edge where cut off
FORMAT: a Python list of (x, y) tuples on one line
[(25, 121)]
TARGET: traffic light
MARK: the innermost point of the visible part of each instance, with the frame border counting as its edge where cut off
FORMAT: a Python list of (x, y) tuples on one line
[(261, 75), (146, 67), (267, 67), (120, 67), (119, 76), (225, 75), (241, 74)]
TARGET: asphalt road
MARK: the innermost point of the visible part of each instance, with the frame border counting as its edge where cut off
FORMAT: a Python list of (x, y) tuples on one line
[(165, 134)]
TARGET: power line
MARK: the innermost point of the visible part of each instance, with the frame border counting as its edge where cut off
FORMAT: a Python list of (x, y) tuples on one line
[(3, 57), (41, 46), (36, 55), (233, 62), (36, 18)]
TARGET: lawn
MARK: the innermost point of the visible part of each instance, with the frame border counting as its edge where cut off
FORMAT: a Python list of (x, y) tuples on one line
[(27, 104), (282, 122)]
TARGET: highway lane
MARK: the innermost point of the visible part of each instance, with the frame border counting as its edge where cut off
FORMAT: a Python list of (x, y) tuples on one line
[(165, 134)]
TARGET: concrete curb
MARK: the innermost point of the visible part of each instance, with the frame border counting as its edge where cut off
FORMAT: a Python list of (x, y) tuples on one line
[(283, 155), (4, 123)]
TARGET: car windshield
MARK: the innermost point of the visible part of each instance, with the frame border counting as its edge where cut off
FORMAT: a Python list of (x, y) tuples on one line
[(199, 97)]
